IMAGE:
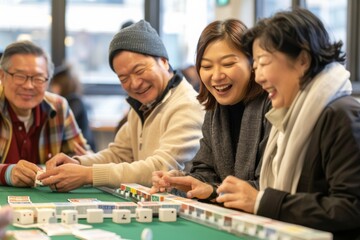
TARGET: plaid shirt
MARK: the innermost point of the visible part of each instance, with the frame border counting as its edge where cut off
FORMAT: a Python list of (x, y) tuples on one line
[(58, 134)]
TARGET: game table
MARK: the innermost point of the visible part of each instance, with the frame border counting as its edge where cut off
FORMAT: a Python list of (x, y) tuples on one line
[(181, 229)]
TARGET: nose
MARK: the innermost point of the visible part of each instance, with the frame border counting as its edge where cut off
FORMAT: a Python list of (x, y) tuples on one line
[(135, 81), (258, 76), (28, 82), (217, 74)]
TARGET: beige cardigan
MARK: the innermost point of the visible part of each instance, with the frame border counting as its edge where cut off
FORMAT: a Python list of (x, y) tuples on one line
[(168, 139)]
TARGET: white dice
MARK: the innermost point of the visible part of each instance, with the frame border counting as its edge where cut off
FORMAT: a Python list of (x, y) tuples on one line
[(167, 214), (143, 214), (69, 216), (46, 215), (95, 215), (24, 216), (121, 216)]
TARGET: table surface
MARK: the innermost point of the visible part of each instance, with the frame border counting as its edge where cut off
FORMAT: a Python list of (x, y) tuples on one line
[(181, 229)]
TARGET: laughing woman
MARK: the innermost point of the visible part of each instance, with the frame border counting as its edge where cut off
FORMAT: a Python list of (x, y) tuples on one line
[(311, 165), (235, 130)]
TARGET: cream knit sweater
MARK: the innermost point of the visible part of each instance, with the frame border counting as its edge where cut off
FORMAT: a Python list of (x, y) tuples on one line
[(167, 140)]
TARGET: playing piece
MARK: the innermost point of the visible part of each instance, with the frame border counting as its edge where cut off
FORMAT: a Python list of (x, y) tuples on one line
[(83, 200), (19, 200), (38, 182), (96, 234), (24, 216), (146, 234), (26, 234), (58, 229)]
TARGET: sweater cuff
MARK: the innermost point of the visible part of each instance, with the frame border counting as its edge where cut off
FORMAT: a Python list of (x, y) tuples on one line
[(101, 174), (8, 174)]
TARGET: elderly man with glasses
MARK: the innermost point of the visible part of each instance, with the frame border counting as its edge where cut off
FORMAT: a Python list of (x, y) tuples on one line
[(35, 125)]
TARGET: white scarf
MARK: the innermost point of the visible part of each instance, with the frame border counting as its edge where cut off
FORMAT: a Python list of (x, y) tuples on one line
[(289, 137)]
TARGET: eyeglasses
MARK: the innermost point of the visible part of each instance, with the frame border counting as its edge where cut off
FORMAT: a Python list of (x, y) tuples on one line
[(20, 79)]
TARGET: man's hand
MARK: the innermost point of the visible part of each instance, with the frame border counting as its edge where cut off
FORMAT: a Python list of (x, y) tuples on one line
[(67, 177), (59, 159), (24, 173), (159, 184)]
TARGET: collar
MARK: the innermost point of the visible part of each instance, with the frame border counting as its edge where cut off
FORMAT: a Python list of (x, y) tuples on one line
[(140, 108), (35, 111), (280, 117), (276, 117)]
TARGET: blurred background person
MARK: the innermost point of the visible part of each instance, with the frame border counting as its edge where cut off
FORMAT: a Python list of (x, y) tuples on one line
[(67, 84), (190, 73)]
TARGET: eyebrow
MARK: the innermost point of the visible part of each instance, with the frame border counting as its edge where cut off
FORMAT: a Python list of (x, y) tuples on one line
[(223, 57), (259, 56), (21, 71), (133, 69), (262, 55)]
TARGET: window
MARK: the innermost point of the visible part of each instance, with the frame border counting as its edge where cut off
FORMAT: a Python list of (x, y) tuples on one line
[(333, 13), (266, 8), (25, 20), (90, 26), (182, 22)]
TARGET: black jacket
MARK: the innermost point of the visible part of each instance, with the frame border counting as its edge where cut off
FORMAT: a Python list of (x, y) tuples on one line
[(328, 193)]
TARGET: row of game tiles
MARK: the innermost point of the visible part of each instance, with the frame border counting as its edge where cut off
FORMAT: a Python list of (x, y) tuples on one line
[(107, 208), (233, 221), (26, 217)]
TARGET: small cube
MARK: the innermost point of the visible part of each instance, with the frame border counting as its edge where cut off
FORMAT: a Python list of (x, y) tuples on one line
[(167, 214), (46, 215), (121, 216), (38, 182), (211, 218), (143, 214), (24, 216), (95, 215), (69, 216)]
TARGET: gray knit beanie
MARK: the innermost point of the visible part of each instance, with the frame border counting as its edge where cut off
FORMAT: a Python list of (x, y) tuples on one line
[(139, 37)]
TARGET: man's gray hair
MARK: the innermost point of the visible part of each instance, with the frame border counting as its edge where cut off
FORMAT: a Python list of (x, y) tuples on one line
[(25, 47)]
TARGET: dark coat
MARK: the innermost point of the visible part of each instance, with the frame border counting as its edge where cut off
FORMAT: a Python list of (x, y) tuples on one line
[(328, 193)]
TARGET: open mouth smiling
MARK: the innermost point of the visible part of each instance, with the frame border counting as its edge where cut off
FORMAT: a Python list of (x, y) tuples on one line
[(223, 88), (143, 91)]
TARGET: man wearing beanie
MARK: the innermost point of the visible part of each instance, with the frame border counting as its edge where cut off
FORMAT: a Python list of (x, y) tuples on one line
[(164, 122)]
